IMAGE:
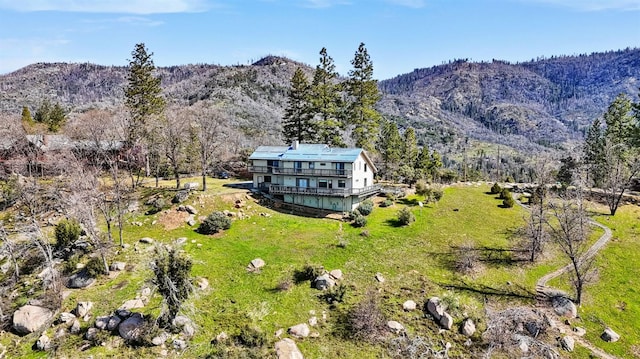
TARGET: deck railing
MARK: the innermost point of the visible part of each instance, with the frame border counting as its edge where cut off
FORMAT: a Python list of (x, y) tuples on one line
[(318, 172), (315, 191)]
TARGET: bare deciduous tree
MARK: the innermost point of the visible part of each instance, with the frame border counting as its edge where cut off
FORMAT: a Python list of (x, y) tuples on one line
[(174, 130), (208, 126)]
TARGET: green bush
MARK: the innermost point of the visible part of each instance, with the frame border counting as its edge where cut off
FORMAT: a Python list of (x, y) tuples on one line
[(508, 202), (405, 216), (495, 189), (359, 221), (366, 207), (505, 193), (67, 233), (386, 203), (252, 337), (309, 272), (214, 223), (70, 265), (95, 267)]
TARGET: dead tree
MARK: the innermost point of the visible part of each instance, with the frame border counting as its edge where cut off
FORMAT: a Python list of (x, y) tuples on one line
[(207, 127)]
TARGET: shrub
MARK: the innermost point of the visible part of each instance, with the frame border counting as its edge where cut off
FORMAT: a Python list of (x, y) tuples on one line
[(508, 202), (437, 194), (366, 207), (70, 265), (466, 259), (505, 193), (309, 272), (214, 223), (95, 267), (335, 294), (252, 337), (284, 285), (157, 205), (386, 203), (67, 233), (405, 216), (495, 189), (366, 321), (359, 221)]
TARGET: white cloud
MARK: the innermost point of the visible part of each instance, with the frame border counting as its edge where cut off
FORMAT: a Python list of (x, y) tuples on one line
[(130, 20), (108, 6), (416, 4), (320, 4), (594, 5)]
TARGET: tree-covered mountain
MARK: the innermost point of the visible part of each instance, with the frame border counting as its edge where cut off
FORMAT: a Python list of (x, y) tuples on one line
[(534, 106)]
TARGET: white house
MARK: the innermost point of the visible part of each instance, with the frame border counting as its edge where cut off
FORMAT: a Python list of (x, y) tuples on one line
[(315, 175)]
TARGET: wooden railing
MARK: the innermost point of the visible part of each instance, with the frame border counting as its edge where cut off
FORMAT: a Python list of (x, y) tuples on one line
[(315, 191), (318, 172)]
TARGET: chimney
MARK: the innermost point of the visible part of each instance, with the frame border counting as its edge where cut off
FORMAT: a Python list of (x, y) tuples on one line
[(294, 145)]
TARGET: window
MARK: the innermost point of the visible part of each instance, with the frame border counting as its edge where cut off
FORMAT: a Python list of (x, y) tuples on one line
[(342, 184), (267, 179), (339, 168), (312, 165), (322, 164), (365, 167), (298, 166), (302, 182), (323, 183)]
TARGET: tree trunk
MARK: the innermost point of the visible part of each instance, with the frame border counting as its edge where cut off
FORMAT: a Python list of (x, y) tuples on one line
[(204, 181)]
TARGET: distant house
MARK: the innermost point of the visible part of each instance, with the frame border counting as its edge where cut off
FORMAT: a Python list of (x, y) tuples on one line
[(314, 175)]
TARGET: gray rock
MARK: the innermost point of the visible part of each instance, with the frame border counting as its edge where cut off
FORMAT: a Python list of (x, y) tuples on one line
[(81, 279), (222, 337), (563, 306), (180, 197), (446, 321), (113, 323), (91, 334), (287, 349), (191, 222), (468, 327), (131, 328), (255, 265), (395, 327), (202, 283), (188, 330), (180, 241), (31, 318), (75, 327), (610, 336), (60, 333), (336, 274), (66, 317), (409, 305), (43, 343), (532, 328), (379, 277), (179, 344), (160, 339), (323, 282), (191, 185), (118, 266), (435, 308), (567, 343), (132, 304), (180, 321), (102, 322), (313, 321), (146, 240), (579, 331), (190, 209), (299, 331)]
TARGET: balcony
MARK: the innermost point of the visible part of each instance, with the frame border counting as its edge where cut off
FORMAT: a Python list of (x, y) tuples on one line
[(316, 172), (335, 192)]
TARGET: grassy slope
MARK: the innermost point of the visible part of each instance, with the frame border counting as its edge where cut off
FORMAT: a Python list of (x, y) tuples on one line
[(415, 261)]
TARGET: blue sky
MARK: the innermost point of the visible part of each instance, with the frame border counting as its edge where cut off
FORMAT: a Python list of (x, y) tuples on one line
[(400, 35)]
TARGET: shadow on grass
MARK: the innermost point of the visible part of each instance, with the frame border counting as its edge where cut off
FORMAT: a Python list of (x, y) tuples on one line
[(394, 222), (514, 291), (409, 202), (491, 256)]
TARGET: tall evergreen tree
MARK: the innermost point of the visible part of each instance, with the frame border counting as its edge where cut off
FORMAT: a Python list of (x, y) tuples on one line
[(389, 146), (296, 124), (423, 163), (410, 147), (143, 94), (42, 113), (26, 115), (326, 102), (57, 118), (594, 152), (362, 93)]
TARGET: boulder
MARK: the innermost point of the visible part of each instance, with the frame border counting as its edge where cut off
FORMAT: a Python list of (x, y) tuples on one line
[(202, 283), (287, 349), (336, 274), (66, 317), (30, 318), (131, 328), (299, 331), (468, 327), (579, 331), (191, 185), (395, 327), (113, 323), (610, 336), (255, 265), (160, 338), (446, 321), (313, 321), (188, 330), (567, 343), (379, 277), (146, 240), (323, 282), (180, 196), (563, 306), (180, 241), (117, 266), (91, 334), (81, 279), (435, 308), (75, 327), (180, 321), (409, 305), (190, 209), (179, 344), (43, 343), (532, 328), (191, 222), (222, 337), (102, 322)]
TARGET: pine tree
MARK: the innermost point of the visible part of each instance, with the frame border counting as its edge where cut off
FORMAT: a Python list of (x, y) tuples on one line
[(410, 147), (594, 152), (296, 124), (26, 115), (389, 146), (326, 102), (423, 163), (143, 94), (57, 118), (42, 113), (362, 92)]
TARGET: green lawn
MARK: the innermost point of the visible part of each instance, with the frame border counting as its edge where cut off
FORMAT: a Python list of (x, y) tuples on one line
[(415, 261)]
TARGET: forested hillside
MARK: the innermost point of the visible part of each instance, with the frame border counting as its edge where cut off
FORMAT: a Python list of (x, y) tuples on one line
[(532, 107)]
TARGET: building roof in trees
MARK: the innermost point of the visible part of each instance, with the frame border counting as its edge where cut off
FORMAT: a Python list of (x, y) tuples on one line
[(310, 152)]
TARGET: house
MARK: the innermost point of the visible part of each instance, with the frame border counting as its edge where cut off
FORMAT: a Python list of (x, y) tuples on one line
[(314, 175)]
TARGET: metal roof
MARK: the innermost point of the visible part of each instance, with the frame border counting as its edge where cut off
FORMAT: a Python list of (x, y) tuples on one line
[(306, 152)]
